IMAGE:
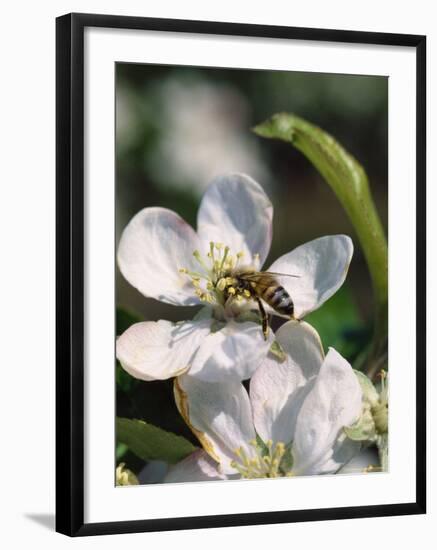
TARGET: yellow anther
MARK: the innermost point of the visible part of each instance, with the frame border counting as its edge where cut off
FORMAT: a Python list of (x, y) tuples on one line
[(260, 463), (269, 443), (183, 270), (221, 285), (201, 294), (219, 246), (246, 293), (231, 290)]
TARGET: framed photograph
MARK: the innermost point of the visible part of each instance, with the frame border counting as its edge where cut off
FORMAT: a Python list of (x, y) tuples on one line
[(240, 274)]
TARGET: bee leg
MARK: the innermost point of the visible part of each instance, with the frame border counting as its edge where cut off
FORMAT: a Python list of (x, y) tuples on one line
[(292, 317), (264, 318)]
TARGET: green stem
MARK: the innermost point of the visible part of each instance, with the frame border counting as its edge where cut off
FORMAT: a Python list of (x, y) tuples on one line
[(348, 180)]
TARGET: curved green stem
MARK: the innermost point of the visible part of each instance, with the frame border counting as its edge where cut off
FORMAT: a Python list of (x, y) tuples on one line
[(348, 180)]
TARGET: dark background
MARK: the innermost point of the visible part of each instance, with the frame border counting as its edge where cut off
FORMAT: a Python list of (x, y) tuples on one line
[(178, 127)]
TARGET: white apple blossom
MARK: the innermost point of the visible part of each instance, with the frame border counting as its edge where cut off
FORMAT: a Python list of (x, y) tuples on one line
[(291, 422), (166, 259)]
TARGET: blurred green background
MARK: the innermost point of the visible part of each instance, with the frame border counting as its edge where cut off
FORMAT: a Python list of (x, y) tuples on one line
[(179, 127)]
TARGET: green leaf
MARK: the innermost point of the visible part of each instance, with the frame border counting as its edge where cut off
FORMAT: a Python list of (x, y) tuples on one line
[(151, 443), (348, 180), (120, 451), (154, 403)]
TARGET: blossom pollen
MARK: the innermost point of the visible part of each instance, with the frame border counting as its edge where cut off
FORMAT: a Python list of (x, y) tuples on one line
[(217, 266), (265, 462)]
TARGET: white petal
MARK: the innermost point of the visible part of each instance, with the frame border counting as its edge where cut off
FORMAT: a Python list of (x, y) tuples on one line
[(232, 353), (333, 402), (235, 211), (273, 394), (155, 244), (277, 389), (339, 454), (301, 342), (220, 416), (321, 265), (198, 466), (160, 350)]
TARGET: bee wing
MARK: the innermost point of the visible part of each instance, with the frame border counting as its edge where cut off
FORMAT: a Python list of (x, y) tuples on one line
[(268, 277), (280, 274), (262, 280)]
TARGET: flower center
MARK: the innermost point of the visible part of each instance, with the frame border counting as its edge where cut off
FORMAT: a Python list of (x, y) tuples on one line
[(215, 274), (266, 460)]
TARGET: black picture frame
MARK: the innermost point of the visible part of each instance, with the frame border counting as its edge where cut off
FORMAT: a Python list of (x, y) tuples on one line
[(70, 273)]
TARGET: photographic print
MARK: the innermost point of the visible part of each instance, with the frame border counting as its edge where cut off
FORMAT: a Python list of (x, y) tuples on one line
[(251, 274), (228, 196)]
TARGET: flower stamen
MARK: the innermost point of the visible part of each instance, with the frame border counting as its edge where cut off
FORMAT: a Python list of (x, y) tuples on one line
[(265, 460), (217, 268), (225, 255)]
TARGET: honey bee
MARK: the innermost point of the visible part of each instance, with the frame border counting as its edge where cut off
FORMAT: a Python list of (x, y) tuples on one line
[(261, 286)]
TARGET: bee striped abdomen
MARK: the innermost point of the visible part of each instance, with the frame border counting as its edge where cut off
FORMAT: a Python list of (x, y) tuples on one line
[(279, 299)]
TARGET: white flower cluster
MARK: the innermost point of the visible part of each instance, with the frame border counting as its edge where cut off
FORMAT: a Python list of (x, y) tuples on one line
[(292, 419)]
